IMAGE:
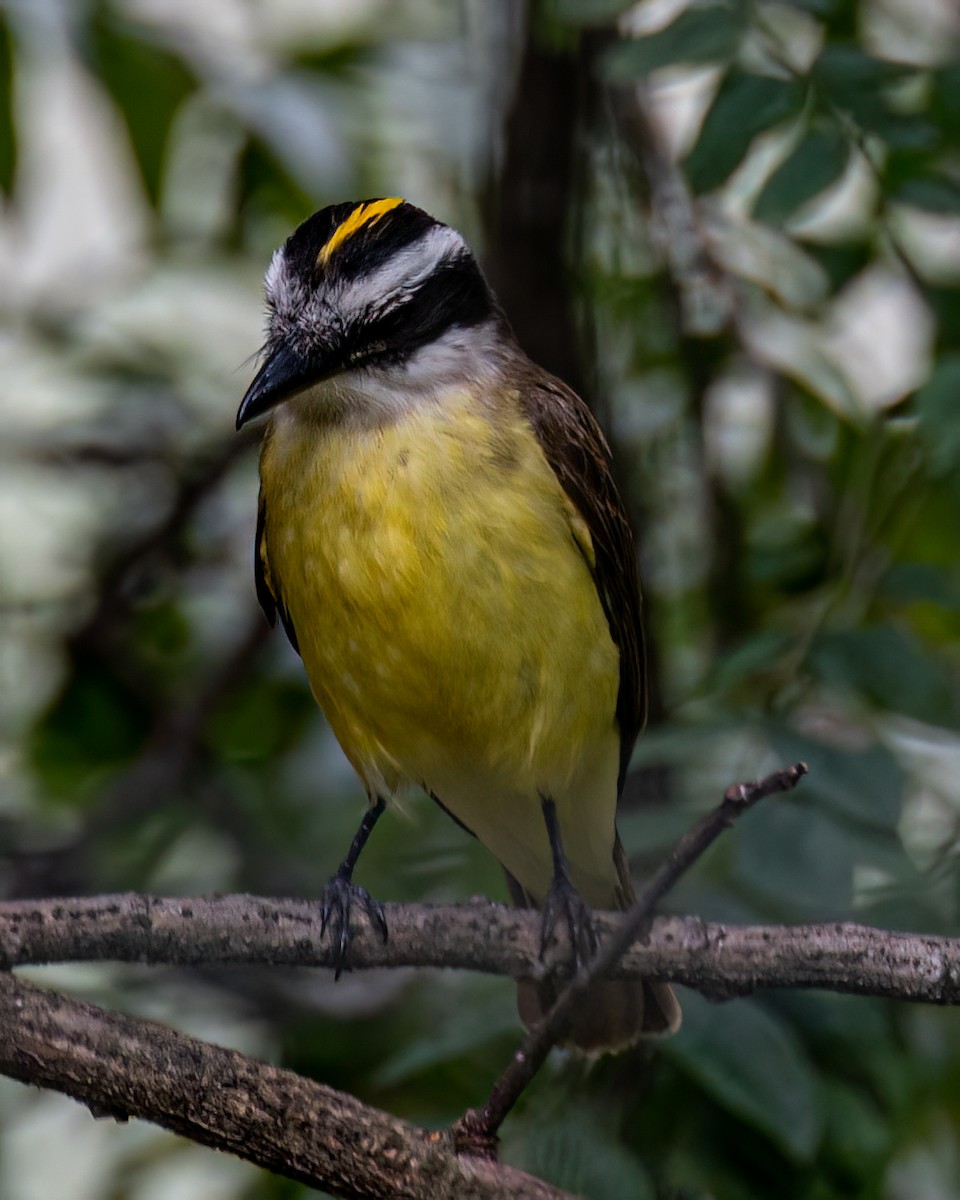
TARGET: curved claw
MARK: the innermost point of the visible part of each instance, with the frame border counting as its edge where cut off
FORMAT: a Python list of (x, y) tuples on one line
[(374, 911), (564, 903), (335, 904)]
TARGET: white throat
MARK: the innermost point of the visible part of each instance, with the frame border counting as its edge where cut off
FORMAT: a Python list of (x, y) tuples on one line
[(460, 359)]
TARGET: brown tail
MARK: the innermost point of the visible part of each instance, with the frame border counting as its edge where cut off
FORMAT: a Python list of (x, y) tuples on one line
[(614, 1015)]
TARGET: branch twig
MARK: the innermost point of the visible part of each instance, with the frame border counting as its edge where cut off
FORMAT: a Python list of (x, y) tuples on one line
[(479, 1128)]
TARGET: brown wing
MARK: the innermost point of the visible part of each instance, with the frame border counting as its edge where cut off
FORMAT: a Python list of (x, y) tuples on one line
[(578, 453), (267, 592)]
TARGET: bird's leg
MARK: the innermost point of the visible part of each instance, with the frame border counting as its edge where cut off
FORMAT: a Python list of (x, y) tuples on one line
[(340, 893), (564, 902)]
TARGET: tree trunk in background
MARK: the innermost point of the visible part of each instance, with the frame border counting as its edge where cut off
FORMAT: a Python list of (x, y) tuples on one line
[(531, 210)]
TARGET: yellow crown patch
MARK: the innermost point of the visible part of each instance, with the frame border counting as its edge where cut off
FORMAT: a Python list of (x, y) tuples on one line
[(364, 214)]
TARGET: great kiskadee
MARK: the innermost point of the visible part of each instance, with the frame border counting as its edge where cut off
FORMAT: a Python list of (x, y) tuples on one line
[(441, 535)]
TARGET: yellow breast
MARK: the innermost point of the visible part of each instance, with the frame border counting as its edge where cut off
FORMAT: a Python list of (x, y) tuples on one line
[(436, 576)]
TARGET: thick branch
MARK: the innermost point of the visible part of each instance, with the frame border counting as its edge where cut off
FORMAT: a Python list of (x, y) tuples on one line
[(717, 959), (123, 1066)]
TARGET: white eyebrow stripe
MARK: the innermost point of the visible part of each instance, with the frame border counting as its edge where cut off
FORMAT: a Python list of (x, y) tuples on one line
[(404, 271), (273, 281)]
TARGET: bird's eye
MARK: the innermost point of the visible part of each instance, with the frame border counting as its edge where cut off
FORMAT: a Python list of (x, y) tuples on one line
[(371, 350)]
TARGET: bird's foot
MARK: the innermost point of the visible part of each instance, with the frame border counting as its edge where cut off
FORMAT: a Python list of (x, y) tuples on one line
[(565, 905), (338, 897)]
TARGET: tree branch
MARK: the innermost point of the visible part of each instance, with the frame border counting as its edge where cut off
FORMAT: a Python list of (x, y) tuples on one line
[(719, 960), (122, 1066)]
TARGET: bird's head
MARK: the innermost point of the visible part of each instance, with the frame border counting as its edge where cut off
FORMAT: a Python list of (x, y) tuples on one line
[(361, 287)]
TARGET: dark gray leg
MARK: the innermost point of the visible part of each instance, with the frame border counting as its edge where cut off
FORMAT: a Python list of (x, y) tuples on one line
[(341, 892), (564, 902)]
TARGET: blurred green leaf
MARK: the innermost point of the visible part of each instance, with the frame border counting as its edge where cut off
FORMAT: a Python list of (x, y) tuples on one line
[(933, 193), (945, 98), (939, 405), (945, 304), (701, 33), (853, 76), (161, 634), (914, 582), (744, 106), (583, 1154), (857, 1130), (857, 83), (8, 129), (891, 667), (266, 186), (148, 83), (816, 162), (752, 656), (331, 60), (800, 858), (261, 724), (814, 428), (842, 261), (460, 1035), (94, 725), (905, 133), (587, 12), (858, 1041), (752, 1063), (787, 551), (820, 7), (829, 1019), (864, 784)]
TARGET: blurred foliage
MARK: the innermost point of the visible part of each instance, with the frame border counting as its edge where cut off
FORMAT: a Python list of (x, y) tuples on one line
[(777, 356)]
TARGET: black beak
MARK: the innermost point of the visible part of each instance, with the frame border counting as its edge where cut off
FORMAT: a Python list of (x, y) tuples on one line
[(284, 373)]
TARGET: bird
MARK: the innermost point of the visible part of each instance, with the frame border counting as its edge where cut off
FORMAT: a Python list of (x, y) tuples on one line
[(441, 536)]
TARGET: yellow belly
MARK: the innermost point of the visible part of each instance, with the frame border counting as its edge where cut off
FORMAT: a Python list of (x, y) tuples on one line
[(450, 626)]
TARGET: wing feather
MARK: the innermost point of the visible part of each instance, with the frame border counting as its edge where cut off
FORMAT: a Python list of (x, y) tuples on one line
[(268, 593), (578, 453)]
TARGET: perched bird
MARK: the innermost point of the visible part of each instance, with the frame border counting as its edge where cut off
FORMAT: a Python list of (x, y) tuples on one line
[(442, 538)]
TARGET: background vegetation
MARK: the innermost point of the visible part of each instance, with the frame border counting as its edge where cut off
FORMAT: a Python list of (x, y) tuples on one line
[(735, 226)]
